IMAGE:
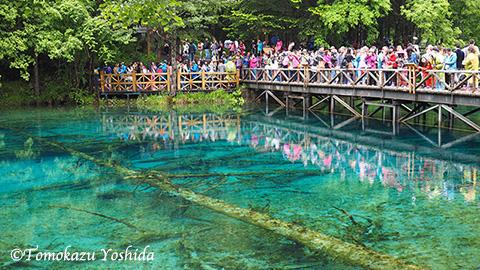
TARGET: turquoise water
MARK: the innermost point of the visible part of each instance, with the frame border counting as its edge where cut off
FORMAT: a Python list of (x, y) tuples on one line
[(408, 196)]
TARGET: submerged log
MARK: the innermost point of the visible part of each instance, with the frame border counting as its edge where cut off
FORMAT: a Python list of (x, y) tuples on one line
[(346, 252), (252, 173)]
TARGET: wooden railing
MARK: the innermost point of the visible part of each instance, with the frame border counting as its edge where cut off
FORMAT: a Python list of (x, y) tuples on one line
[(195, 81), (162, 82), (135, 82), (409, 79)]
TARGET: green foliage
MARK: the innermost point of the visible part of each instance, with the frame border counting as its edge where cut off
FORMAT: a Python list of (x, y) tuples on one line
[(27, 152), (216, 101), (432, 17), (113, 102), (219, 97), (466, 15), (71, 37), (57, 29), (157, 102), (263, 18), (342, 15), (81, 97), (200, 17), (18, 93), (154, 14)]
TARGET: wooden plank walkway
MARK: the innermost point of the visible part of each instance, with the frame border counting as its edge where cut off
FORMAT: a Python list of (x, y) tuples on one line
[(422, 90), (459, 87)]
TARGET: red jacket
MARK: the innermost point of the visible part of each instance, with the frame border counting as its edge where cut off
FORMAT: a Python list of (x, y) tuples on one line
[(392, 61)]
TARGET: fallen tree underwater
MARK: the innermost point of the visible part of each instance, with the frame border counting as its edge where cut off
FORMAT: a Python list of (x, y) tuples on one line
[(346, 252)]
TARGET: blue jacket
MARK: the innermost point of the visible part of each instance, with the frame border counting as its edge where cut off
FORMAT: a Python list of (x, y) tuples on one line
[(451, 62), (194, 68), (123, 69), (413, 58)]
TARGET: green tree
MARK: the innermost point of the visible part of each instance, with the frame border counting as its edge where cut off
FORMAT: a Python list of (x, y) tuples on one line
[(252, 19), (156, 16), (59, 30), (433, 20), (344, 16), (466, 16)]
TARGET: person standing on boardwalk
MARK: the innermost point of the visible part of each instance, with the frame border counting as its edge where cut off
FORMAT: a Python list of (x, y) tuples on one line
[(450, 64), (460, 56), (471, 62)]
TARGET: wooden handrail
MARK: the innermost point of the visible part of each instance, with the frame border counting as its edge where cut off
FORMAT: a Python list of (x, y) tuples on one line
[(410, 79), (154, 82)]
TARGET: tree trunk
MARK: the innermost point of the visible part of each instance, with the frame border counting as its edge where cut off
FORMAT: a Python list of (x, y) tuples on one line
[(36, 80), (90, 73), (75, 73), (173, 60), (149, 41)]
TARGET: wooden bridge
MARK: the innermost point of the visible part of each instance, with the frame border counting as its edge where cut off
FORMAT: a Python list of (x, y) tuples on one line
[(407, 93)]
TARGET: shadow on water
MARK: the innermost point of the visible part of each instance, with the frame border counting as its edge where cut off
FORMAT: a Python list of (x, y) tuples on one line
[(399, 192)]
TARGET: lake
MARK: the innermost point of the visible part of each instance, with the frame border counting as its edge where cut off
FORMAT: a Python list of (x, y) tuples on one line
[(64, 186)]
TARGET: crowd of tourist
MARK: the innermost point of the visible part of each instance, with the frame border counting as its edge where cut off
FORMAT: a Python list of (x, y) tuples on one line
[(274, 54)]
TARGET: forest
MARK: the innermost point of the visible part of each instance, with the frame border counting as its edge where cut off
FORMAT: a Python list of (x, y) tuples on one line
[(50, 48)]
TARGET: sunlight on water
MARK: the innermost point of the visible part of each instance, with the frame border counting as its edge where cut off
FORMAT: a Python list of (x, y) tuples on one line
[(399, 195)]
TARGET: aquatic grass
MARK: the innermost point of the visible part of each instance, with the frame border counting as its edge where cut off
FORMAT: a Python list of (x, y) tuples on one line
[(218, 101)]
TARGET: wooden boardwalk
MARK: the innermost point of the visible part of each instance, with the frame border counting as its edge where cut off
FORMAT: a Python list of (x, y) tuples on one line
[(408, 93)]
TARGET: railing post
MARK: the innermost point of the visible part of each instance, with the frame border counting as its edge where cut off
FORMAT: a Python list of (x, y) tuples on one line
[(381, 80), (414, 79), (411, 78), (168, 82), (117, 82), (238, 78), (102, 81), (179, 84), (204, 121), (306, 78), (134, 81), (475, 84), (203, 80)]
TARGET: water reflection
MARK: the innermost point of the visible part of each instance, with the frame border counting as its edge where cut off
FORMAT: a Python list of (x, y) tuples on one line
[(435, 172)]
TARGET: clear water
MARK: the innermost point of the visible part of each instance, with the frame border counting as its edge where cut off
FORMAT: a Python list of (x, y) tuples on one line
[(408, 198)]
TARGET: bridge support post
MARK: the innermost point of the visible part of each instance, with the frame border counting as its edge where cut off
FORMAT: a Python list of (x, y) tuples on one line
[(396, 111), (439, 116), (396, 117), (364, 108), (307, 101), (439, 125), (332, 105)]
